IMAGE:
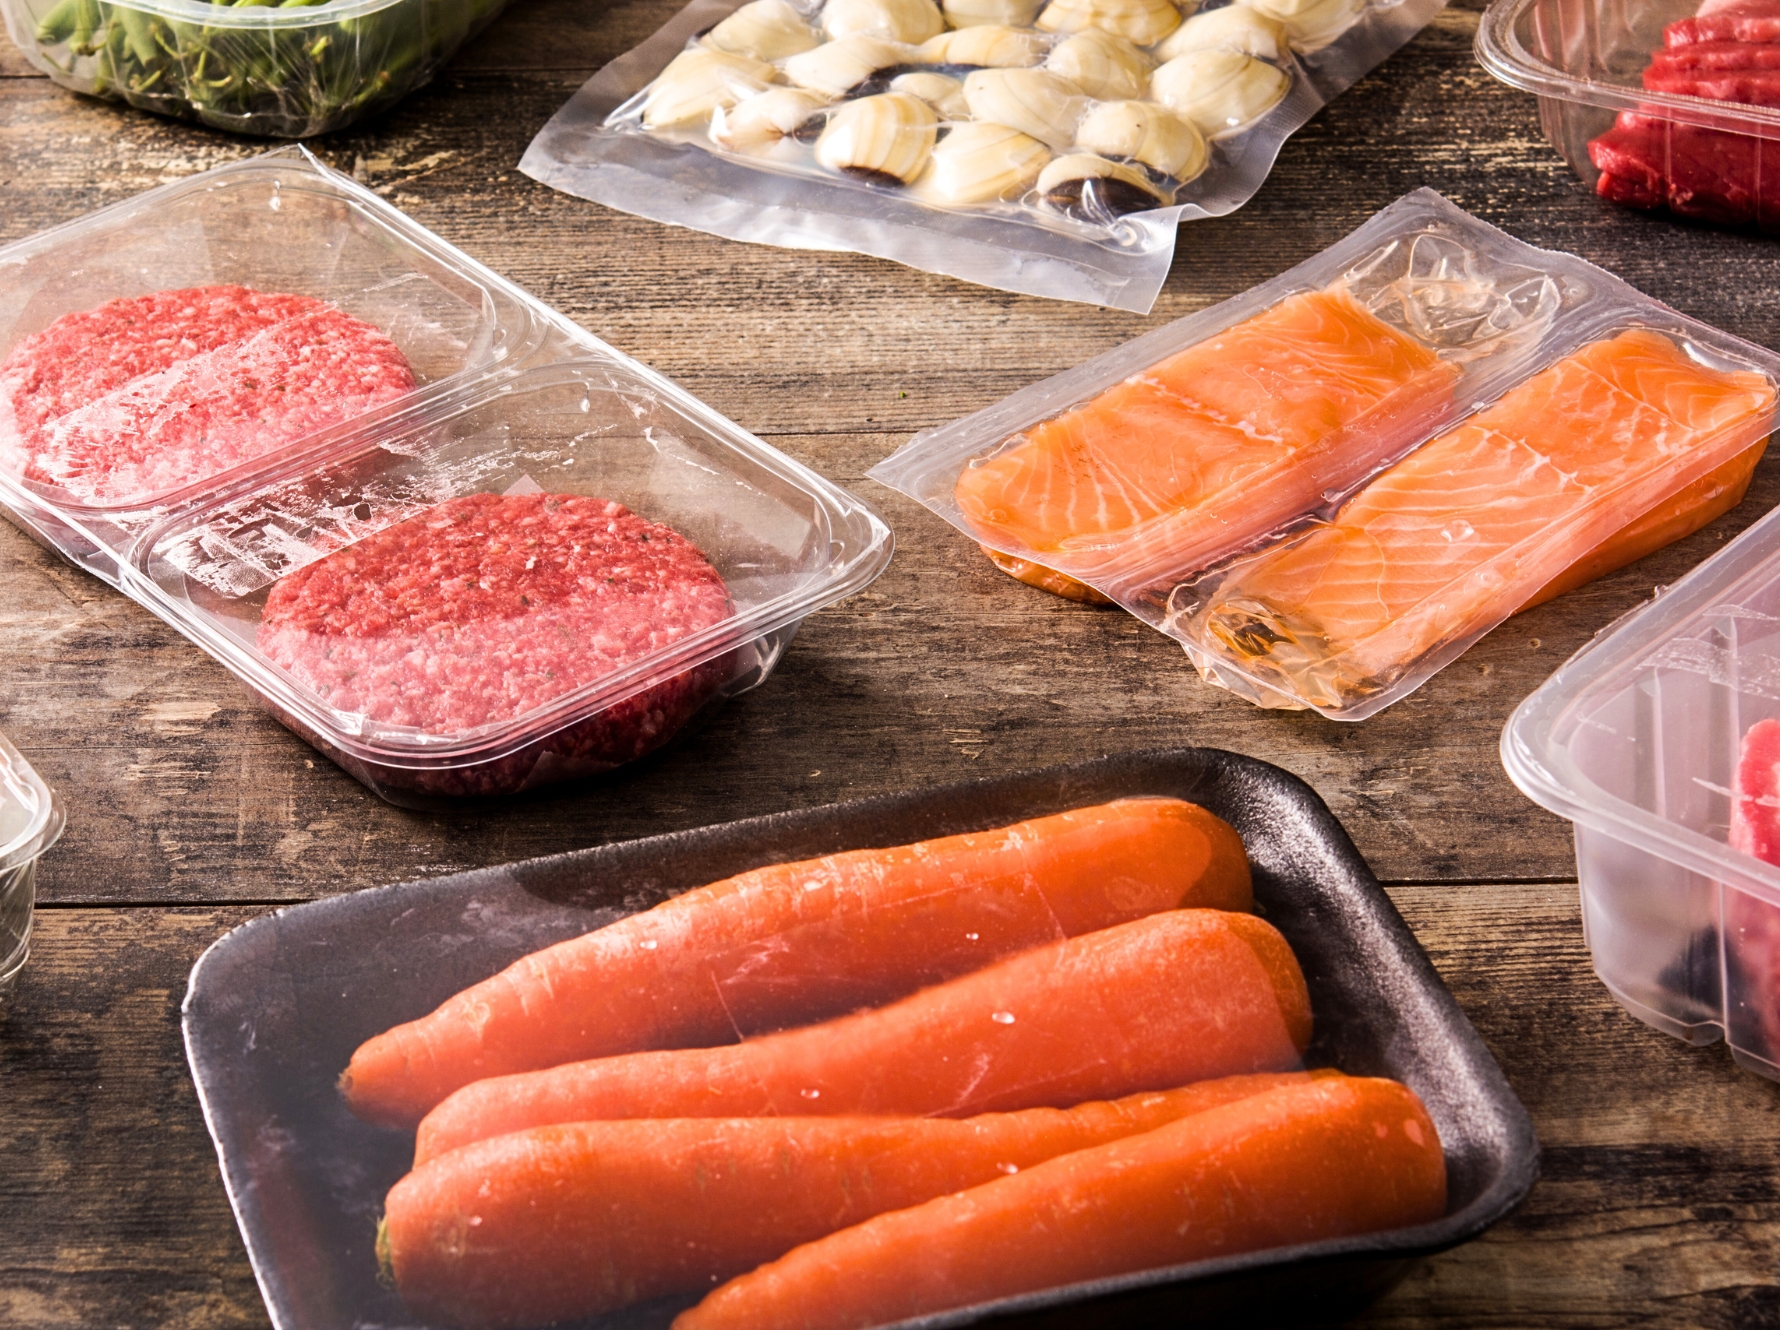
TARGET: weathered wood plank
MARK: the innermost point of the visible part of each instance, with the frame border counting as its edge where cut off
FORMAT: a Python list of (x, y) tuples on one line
[(1659, 1205), (943, 670)]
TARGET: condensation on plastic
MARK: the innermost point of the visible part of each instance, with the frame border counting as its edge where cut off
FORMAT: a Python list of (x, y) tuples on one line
[(1636, 741), (595, 148), (1493, 308), (1583, 60), (513, 399), (282, 72), (31, 820)]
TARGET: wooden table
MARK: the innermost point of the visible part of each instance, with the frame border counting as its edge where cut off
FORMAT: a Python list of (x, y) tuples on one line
[(191, 811)]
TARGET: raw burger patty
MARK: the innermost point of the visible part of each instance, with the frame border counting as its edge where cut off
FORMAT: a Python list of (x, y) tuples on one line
[(151, 393), (485, 607)]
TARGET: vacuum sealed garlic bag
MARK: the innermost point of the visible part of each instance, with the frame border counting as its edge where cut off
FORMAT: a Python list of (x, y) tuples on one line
[(1049, 148), (1327, 488)]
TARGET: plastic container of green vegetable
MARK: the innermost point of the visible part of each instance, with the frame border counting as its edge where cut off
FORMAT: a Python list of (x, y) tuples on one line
[(282, 70)]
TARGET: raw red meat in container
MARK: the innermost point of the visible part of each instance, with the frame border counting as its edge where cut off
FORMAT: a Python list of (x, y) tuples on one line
[(458, 544), (1659, 741), (1662, 105)]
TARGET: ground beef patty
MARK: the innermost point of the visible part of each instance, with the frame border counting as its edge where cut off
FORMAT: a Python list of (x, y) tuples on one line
[(150, 393), (488, 606)]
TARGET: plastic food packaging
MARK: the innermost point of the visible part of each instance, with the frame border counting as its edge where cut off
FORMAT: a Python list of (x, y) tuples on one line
[(1315, 535), (284, 71), (1050, 149), (1645, 739), (30, 822), (458, 544), (1168, 1023), (1622, 119)]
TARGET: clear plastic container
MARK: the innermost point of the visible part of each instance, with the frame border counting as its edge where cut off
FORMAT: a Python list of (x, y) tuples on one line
[(1636, 740), (30, 822), (1585, 60), (283, 72), (510, 400)]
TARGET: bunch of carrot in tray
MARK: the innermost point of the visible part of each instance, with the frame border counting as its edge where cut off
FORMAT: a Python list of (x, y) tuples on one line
[(972, 1067)]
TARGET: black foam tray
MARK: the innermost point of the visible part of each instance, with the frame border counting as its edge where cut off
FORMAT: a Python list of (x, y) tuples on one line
[(276, 1007)]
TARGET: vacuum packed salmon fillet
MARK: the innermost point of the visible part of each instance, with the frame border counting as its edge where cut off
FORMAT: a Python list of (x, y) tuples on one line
[(1474, 524), (1208, 449)]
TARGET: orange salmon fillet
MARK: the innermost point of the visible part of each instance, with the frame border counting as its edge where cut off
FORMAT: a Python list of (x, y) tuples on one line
[(1474, 524), (1207, 449)]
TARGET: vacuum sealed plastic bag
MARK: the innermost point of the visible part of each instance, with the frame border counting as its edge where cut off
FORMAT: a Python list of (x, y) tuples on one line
[(458, 544), (1330, 486), (1050, 149)]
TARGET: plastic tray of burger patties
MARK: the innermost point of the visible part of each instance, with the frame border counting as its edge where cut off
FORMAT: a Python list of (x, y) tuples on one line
[(1590, 63), (275, 1009), (512, 401), (1638, 740)]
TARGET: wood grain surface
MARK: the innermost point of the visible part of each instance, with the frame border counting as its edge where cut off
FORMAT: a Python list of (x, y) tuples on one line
[(190, 810)]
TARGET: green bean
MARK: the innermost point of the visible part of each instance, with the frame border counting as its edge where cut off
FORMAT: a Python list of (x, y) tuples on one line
[(138, 32), (58, 25)]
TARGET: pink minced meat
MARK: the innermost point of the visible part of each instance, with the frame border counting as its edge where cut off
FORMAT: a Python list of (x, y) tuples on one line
[(487, 607), (148, 394)]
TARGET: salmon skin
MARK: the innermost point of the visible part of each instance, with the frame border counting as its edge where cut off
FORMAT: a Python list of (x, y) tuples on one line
[(1208, 450), (1467, 529)]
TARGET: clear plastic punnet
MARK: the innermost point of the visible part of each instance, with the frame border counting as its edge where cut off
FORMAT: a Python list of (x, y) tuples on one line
[(1655, 104), (1046, 148), (457, 543), (1657, 741), (283, 71), (30, 822), (1328, 487)]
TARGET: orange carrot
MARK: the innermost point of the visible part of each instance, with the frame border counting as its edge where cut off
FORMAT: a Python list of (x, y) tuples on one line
[(586, 1217), (1176, 997), (792, 943), (1298, 1164)]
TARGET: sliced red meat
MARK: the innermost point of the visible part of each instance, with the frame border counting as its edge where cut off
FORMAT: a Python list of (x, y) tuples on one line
[(1752, 87), (1718, 56), (1731, 21), (1706, 174), (1751, 925)]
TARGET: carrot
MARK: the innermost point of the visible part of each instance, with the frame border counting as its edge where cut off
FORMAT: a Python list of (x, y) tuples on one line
[(792, 943), (1176, 997), (586, 1217), (1298, 1164)]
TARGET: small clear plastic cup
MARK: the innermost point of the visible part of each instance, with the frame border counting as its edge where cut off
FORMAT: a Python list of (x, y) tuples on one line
[(30, 821)]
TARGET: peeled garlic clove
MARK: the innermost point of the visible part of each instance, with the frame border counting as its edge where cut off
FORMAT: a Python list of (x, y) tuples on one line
[(1232, 28), (987, 46), (836, 66), (1312, 24), (1142, 22), (1147, 133), (887, 138), (979, 163), (1222, 92), (1101, 65), (765, 119), (764, 29), (945, 95), (1033, 101), (908, 21), (1003, 13), (1096, 190), (698, 82)]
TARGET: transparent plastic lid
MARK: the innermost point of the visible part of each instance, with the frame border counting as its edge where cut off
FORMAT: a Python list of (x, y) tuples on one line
[(534, 456), (1595, 53), (273, 246), (30, 814), (1638, 735)]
